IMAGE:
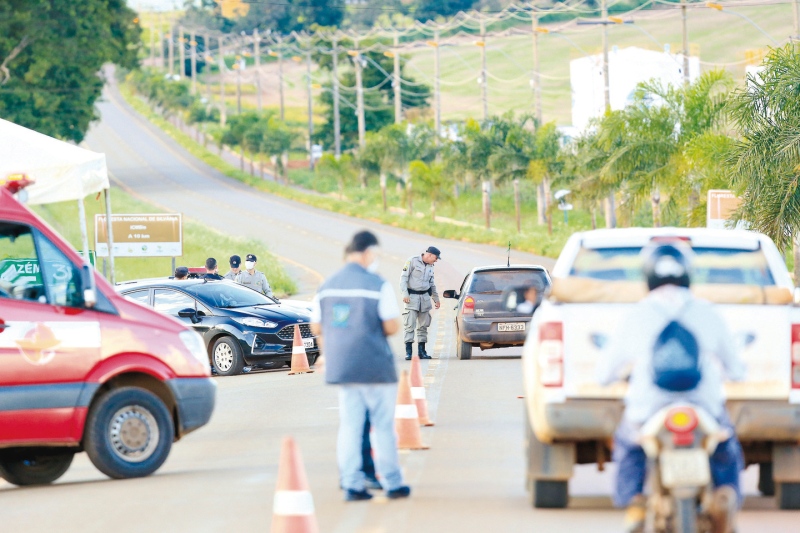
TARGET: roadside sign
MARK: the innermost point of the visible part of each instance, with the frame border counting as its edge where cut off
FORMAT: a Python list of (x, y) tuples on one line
[(92, 256), (145, 235), (721, 205), (15, 272)]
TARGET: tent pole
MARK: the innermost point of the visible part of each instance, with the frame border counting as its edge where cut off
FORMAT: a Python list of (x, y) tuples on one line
[(109, 235), (84, 232)]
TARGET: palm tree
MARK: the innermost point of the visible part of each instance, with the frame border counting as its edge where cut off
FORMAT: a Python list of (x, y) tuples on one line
[(342, 170), (433, 181), (277, 141)]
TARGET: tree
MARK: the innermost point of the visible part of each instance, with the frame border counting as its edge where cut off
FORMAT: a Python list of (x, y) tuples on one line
[(433, 181), (341, 170), (278, 140), (51, 56), (765, 160), (236, 128)]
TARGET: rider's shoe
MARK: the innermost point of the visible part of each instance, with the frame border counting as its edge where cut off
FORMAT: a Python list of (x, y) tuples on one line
[(635, 515), (722, 510)]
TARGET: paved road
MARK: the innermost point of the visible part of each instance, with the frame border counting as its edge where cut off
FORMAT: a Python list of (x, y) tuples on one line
[(222, 477)]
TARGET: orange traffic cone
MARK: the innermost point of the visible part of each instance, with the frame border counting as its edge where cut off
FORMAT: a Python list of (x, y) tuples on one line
[(293, 506), (418, 392), (299, 357), (406, 418)]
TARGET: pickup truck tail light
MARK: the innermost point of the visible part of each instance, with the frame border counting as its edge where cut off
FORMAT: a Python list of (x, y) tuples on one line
[(469, 306), (796, 356), (551, 354)]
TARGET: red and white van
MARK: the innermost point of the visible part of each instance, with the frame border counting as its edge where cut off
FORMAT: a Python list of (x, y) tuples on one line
[(83, 368)]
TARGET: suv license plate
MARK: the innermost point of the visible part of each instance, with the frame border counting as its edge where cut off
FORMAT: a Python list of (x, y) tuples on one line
[(308, 343), (684, 468), (511, 326)]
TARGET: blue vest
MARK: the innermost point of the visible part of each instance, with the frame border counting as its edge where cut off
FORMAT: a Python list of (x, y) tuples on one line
[(356, 350)]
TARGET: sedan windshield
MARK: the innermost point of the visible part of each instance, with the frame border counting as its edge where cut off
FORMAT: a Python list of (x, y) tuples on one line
[(228, 295), (495, 281)]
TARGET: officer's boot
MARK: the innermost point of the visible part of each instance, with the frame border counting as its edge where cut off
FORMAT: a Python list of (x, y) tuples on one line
[(409, 347), (421, 351)]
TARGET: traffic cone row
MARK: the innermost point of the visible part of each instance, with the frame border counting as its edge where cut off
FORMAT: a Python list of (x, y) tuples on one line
[(293, 505), (299, 357)]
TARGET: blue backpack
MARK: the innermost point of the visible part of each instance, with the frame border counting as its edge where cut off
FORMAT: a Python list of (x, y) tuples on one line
[(676, 359)]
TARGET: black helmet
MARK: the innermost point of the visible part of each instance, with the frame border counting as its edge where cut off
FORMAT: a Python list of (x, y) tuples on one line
[(667, 263)]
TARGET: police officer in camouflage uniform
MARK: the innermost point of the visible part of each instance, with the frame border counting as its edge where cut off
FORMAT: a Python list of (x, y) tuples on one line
[(418, 287), (252, 278)]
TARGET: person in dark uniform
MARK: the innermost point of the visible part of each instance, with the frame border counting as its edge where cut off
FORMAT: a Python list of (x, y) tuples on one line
[(181, 273), (418, 287), (212, 269)]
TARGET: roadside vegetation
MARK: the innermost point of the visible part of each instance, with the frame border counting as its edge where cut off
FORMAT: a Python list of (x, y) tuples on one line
[(199, 243)]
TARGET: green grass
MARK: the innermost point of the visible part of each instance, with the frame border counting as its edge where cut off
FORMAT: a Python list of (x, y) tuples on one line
[(366, 203), (199, 242)]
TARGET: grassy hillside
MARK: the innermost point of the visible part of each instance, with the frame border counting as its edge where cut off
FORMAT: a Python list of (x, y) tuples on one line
[(199, 242)]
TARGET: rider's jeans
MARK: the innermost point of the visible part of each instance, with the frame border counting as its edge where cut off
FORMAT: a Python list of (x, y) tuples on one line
[(726, 463)]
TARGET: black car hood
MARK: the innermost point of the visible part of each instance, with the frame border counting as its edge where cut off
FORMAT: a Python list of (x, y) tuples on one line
[(272, 312)]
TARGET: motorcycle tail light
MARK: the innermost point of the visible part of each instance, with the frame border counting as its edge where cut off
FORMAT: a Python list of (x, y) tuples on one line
[(469, 306), (551, 354), (795, 360), (681, 422)]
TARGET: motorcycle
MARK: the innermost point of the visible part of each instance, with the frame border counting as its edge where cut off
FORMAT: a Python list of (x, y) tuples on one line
[(678, 442)]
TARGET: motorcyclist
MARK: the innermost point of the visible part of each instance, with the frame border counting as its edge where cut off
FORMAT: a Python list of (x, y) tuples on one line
[(667, 269)]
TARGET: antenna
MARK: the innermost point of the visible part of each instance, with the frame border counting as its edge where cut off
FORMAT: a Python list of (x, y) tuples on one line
[(508, 264)]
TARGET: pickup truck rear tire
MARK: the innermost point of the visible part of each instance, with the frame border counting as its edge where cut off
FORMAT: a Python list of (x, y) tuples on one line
[(227, 357), (788, 496), (766, 485), (129, 433), (549, 494), (463, 349), (34, 467)]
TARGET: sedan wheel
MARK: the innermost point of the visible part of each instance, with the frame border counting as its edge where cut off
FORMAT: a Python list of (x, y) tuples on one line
[(227, 357)]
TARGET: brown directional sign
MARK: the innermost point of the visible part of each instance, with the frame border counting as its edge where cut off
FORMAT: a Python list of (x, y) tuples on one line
[(720, 207), (141, 235)]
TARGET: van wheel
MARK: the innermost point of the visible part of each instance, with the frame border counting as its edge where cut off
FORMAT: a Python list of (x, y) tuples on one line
[(34, 466), (463, 349), (129, 433), (788, 496), (766, 485), (548, 494), (226, 356)]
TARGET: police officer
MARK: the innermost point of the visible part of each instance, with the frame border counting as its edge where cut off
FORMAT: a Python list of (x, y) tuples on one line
[(253, 278), (212, 269), (234, 261), (417, 287)]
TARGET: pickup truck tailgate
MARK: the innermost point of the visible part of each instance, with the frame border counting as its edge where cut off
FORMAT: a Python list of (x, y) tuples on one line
[(761, 331)]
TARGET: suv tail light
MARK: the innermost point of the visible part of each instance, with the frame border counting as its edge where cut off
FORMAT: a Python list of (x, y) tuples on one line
[(681, 421), (551, 354), (795, 356), (469, 306)]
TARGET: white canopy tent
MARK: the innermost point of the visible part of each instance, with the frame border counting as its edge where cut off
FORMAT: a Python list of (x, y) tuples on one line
[(60, 171)]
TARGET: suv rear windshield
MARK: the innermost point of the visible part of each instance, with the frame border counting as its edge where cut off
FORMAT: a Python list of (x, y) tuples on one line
[(711, 265), (495, 281)]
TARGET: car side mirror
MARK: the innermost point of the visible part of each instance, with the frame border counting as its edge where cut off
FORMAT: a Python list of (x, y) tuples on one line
[(450, 294), (190, 314), (88, 286)]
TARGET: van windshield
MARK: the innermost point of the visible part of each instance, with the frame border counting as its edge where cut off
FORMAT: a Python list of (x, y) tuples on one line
[(711, 265)]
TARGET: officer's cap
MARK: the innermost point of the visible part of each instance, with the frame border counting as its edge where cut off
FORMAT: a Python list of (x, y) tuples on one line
[(435, 251), (235, 261), (251, 257), (181, 272)]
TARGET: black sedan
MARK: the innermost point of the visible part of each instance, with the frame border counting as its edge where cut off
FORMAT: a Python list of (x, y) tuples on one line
[(482, 318), (241, 327)]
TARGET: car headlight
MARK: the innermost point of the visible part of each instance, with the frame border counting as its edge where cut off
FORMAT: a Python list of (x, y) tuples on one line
[(256, 322), (194, 343)]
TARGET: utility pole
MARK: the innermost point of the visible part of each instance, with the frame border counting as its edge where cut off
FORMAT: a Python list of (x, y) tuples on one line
[(222, 110), (484, 81), (182, 50), (208, 66), (541, 201), (337, 139), (685, 27), (257, 55), (398, 96), (610, 208), (437, 92), (152, 39), (796, 20), (160, 42), (171, 48), (193, 52), (238, 68), (359, 97), (280, 74), (310, 110)]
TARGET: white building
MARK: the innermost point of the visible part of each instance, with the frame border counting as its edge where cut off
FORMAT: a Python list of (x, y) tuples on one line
[(626, 69)]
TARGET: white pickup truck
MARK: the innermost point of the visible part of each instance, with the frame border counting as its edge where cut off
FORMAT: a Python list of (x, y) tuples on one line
[(571, 418)]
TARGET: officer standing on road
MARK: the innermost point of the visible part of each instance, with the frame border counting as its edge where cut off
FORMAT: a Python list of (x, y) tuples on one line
[(212, 269), (417, 287), (252, 278), (234, 261)]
